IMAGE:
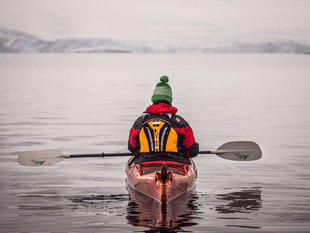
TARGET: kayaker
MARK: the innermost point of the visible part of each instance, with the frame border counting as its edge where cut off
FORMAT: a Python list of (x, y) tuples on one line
[(159, 132)]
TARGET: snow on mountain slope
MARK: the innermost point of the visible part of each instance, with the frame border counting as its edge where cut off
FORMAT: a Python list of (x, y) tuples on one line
[(19, 42)]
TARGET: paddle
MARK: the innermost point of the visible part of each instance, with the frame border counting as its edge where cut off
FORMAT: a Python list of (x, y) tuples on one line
[(238, 151)]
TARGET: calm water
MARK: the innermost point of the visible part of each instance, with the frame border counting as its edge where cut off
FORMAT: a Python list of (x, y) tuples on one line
[(86, 104)]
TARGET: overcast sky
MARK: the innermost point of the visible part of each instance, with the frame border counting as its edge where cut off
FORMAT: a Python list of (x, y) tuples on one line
[(174, 22)]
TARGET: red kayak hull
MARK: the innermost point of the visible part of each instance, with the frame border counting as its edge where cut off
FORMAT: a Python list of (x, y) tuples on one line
[(146, 178)]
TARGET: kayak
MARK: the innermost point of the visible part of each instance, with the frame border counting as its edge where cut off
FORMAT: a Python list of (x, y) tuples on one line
[(162, 180)]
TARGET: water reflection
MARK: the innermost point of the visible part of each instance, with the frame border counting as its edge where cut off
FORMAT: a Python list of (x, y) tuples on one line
[(181, 212), (239, 206), (179, 215), (111, 205), (244, 201)]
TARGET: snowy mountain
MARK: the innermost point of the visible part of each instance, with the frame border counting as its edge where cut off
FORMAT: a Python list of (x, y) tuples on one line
[(267, 47), (18, 42)]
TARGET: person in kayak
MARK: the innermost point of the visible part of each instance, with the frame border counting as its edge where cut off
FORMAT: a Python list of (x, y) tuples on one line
[(159, 132)]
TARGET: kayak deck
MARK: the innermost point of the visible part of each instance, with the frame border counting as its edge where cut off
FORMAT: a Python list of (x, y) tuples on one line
[(161, 180)]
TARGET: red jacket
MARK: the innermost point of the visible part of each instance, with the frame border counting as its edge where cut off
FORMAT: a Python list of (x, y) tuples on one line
[(167, 113)]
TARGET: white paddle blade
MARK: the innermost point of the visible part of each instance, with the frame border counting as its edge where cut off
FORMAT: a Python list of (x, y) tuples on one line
[(239, 151), (40, 158)]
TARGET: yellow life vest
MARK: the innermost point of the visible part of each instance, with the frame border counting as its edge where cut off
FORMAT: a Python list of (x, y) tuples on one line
[(157, 135)]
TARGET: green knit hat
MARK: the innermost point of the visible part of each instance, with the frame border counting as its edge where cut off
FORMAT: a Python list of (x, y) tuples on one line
[(162, 90)]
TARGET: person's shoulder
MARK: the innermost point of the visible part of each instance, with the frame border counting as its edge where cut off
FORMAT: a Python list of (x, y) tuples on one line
[(142, 119), (179, 121), (139, 121)]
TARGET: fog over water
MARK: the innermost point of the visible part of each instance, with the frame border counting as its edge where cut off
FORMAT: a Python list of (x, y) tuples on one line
[(178, 23), (86, 103)]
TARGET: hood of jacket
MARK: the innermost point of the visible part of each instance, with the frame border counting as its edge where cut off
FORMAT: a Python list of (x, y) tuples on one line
[(161, 108)]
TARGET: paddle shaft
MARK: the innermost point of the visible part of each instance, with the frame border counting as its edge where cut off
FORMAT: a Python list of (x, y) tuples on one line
[(98, 155), (117, 154), (206, 152)]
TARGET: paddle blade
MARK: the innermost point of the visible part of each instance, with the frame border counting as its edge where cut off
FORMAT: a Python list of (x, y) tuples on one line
[(239, 151), (40, 158)]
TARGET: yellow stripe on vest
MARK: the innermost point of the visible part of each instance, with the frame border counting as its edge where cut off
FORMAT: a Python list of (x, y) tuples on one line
[(144, 143), (172, 141)]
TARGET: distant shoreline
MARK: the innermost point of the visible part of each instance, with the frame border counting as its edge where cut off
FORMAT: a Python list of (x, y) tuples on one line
[(12, 41)]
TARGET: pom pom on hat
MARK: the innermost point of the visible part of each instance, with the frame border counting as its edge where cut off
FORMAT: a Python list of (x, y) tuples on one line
[(164, 79), (162, 90)]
